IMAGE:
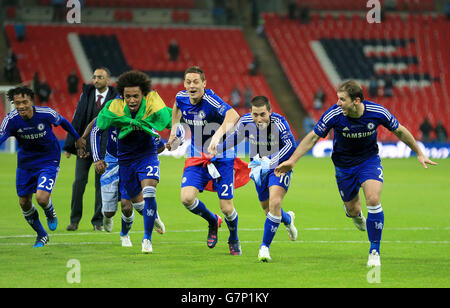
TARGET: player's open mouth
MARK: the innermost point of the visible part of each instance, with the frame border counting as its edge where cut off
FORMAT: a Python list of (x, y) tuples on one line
[(262, 125)]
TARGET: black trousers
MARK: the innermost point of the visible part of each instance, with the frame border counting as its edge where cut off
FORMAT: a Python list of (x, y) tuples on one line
[(79, 185)]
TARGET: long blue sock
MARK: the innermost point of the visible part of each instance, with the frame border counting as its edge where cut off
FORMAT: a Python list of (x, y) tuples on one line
[(150, 207), (374, 224), (32, 217), (285, 218), (127, 222), (199, 208), (232, 223), (50, 210), (270, 228)]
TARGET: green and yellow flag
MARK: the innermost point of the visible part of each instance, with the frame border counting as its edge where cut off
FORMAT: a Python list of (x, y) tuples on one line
[(152, 114)]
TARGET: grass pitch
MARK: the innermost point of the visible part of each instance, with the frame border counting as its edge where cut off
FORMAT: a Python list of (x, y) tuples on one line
[(330, 251)]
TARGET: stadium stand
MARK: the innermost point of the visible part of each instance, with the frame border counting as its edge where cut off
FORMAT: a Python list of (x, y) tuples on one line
[(361, 5), (175, 4), (398, 47), (149, 53), (2, 108)]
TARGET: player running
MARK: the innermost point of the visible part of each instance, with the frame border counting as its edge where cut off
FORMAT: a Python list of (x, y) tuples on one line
[(134, 115), (208, 118), (271, 142), (38, 157), (355, 156), (111, 186)]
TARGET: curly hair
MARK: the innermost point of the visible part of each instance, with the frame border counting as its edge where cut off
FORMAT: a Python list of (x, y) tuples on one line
[(134, 79), (20, 90)]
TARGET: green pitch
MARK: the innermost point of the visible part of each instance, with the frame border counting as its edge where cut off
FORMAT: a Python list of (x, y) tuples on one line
[(330, 251)]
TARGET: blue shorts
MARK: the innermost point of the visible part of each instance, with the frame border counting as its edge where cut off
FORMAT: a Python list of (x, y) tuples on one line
[(30, 180), (132, 175), (198, 177), (349, 180), (270, 180)]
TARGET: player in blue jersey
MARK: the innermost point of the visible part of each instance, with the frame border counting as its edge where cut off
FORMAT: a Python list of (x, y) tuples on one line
[(38, 156), (111, 186), (137, 154), (271, 142), (355, 156), (208, 118)]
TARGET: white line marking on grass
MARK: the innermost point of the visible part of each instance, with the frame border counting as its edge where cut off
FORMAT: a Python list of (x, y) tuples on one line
[(51, 234), (117, 243)]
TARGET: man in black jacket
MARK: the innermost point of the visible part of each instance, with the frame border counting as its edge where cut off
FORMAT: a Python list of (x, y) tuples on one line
[(91, 101)]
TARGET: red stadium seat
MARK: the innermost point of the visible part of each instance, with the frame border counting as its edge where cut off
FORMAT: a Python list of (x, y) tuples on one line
[(292, 45)]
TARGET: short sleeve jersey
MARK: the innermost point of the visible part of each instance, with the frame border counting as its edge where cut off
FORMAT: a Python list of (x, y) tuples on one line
[(355, 139), (203, 119), (37, 144)]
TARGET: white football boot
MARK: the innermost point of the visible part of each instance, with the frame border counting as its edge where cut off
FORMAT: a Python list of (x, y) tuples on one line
[(374, 259), (264, 255), (291, 229), (360, 222), (159, 225), (147, 246), (126, 241)]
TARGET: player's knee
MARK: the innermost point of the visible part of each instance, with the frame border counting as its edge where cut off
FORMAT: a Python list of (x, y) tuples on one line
[(275, 202), (42, 198), (25, 203), (187, 200), (227, 206), (372, 199), (127, 207)]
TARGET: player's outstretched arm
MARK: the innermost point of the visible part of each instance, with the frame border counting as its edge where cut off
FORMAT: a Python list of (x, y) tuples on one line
[(231, 118), (405, 135), (304, 147), (176, 117)]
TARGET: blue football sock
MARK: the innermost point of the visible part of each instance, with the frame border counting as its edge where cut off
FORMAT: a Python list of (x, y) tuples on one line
[(139, 207), (32, 217), (199, 208), (374, 224), (150, 207), (285, 218), (49, 210), (127, 222), (232, 223), (270, 228)]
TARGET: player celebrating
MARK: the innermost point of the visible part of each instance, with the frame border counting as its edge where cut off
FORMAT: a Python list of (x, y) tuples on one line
[(111, 186), (38, 156), (205, 113), (271, 142), (137, 150), (355, 156)]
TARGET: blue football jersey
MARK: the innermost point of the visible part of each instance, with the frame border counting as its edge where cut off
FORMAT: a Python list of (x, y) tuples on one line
[(135, 146), (37, 144), (355, 139), (111, 143), (276, 142), (203, 119)]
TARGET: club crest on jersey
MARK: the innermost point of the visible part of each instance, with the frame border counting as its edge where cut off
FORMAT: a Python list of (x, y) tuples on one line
[(370, 126), (201, 114), (41, 126)]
